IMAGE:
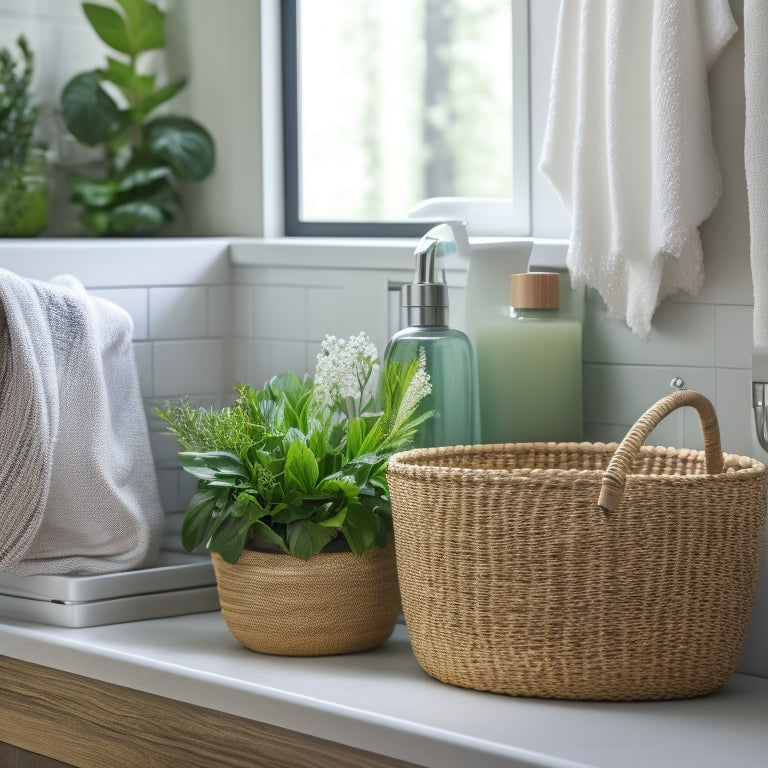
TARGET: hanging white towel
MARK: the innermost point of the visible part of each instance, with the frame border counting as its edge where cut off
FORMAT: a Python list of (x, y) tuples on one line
[(78, 490), (756, 156), (628, 145)]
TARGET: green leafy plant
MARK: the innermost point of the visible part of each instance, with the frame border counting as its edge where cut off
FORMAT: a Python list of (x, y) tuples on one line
[(17, 114), (147, 156), (23, 203), (301, 464)]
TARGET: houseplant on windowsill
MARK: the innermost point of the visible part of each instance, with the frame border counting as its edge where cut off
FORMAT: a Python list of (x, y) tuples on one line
[(293, 502), (147, 156), (23, 185)]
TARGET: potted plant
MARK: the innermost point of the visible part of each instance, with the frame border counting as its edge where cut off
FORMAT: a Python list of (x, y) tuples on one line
[(293, 502), (23, 186), (146, 155)]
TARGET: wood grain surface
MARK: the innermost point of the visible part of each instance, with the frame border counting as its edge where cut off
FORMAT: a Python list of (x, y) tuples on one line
[(91, 724)]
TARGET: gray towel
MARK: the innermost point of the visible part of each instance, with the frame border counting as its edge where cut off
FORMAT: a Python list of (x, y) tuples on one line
[(78, 490)]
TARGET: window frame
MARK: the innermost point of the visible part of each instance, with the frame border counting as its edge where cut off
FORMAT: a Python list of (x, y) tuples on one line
[(516, 221)]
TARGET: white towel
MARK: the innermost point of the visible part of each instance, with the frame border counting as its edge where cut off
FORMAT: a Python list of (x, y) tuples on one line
[(78, 490), (628, 145), (756, 156)]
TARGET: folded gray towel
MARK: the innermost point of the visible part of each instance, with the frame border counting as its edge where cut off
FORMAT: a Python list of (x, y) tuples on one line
[(78, 490)]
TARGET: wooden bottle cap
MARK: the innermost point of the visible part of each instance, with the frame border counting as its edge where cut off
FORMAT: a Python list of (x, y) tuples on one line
[(535, 290)]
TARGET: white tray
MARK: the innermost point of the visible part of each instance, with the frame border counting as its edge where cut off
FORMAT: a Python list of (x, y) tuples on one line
[(177, 584), (173, 570), (116, 611)]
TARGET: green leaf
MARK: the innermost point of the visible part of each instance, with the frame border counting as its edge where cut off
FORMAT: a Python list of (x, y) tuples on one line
[(360, 528), (230, 537), (89, 111), (93, 193), (139, 218), (213, 464), (153, 99), (355, 433), (197, 519), (262, 532), (301, 470), (95, 221), (146, 25), (109, 25), (306, 538), (166, 198), (125, 77), (182, 143), (290, 512), (143, 177), (241, 504), (336, 521), (339, 483)]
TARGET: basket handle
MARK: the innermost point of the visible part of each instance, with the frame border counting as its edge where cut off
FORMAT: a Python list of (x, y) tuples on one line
[(621, 462)]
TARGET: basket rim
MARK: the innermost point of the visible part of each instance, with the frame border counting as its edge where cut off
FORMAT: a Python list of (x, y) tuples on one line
[(735, 466)]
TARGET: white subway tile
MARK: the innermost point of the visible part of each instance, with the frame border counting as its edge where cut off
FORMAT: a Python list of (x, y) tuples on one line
[(266, 359), (142, 353), (325, 313), (165, 450), (620, 394), (60, 9), (173, 523), (733, 336), (196, 367), (277, 312), (733, 405), (241, 312), (682, 334), (312, 351), (187, 486), (178, 313), (168, 485), (134, 301), (457, 316), (221, 311)]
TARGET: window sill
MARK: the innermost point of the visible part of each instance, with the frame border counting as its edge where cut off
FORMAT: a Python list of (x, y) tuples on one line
[(372, 253)]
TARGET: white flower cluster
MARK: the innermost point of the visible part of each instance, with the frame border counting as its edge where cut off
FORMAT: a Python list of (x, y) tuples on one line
[(344, 374), (418, 388)]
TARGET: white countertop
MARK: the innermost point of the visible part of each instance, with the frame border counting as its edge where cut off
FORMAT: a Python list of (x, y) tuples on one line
[(382, 701)]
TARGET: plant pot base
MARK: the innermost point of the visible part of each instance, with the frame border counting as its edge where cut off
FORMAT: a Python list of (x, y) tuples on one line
[(333, 603)]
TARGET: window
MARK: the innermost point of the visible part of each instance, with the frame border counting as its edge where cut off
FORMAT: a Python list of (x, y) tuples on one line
[(387, 103)]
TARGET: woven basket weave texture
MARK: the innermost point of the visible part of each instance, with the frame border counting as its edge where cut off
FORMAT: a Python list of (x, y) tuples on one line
[(335, 602), (515, 580)]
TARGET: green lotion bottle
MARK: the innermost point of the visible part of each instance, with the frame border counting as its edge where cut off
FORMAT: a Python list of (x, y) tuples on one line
[(447, 352), (530, 365)]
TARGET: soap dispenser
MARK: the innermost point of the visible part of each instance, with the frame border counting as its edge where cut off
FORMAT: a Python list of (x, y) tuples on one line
[(447, 352), (530, 387)]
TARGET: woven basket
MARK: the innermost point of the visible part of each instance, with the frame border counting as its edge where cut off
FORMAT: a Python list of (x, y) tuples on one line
[(515, 580), (335, 602)]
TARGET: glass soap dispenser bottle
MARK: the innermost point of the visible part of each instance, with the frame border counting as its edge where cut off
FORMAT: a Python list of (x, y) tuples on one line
[(530, 366), (447, 352)]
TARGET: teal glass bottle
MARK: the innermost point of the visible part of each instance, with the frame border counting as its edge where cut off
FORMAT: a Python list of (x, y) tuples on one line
[(447, 352)]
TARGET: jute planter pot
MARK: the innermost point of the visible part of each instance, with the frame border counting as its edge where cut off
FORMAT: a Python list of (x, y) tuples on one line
[(335, 602)]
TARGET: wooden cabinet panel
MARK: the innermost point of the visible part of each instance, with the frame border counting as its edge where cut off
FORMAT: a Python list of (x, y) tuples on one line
[(90, 724), (13, 757)]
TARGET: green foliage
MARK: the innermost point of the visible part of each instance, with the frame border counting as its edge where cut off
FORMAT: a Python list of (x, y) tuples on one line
[(146, 156), (23, 191), (17, 114), (282, 467)]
